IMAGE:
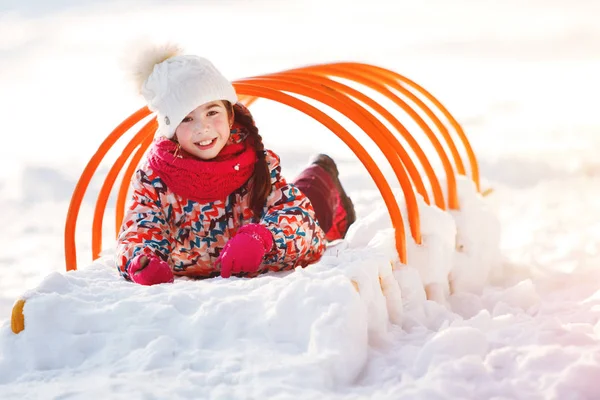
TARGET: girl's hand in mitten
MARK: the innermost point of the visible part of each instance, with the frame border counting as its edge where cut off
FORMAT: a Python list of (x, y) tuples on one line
[(150, 270), (246, 250)]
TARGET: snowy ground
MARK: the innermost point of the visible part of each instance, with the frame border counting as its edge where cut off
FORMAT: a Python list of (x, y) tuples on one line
[(522, 79)]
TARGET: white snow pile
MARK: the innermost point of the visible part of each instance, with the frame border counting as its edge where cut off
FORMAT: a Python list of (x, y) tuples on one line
[(312, 329)]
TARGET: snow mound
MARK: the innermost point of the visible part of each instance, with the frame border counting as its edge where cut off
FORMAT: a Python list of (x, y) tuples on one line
[(459, 250), (92, 317), (323, 321), (319, 319)]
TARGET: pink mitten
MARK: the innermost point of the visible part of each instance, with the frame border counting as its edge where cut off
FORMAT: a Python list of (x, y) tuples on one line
[(150, 270), (245, 251)]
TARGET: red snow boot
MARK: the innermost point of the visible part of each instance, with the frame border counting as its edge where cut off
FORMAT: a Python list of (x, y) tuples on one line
[(343, 213)]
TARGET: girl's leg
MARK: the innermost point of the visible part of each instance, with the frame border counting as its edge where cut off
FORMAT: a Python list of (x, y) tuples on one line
[(333, 208)]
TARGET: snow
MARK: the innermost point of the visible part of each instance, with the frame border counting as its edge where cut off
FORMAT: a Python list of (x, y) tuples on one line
[(523, 321)]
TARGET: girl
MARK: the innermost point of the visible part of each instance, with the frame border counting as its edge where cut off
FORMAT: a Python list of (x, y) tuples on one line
[(209, 200)]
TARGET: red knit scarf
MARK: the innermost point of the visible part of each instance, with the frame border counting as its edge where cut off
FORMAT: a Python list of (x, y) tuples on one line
[(200, 180)]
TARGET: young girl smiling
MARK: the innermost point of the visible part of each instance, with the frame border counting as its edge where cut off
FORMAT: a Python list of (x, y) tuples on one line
[(209, 199)]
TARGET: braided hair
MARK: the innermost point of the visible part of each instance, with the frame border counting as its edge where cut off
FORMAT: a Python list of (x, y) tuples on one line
[(261, 179)]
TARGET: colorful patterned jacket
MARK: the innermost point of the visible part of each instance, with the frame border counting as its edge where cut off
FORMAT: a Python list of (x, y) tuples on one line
[(190, 235)]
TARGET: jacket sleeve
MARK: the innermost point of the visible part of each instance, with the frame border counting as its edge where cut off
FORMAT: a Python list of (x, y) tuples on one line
[(289, 215), (145, 226)]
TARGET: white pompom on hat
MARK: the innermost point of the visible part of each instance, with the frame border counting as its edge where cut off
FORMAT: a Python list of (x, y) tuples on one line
[(174, 85)]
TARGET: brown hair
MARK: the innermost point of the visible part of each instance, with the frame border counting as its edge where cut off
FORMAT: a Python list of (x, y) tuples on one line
[(260, 187)]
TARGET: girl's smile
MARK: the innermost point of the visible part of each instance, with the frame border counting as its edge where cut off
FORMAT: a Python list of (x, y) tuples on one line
[(206, 144)]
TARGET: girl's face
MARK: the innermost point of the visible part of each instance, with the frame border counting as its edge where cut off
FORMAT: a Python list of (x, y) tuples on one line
[(205, 130)]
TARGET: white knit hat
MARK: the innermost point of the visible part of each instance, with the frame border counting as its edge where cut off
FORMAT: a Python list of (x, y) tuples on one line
[(177, 84)]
